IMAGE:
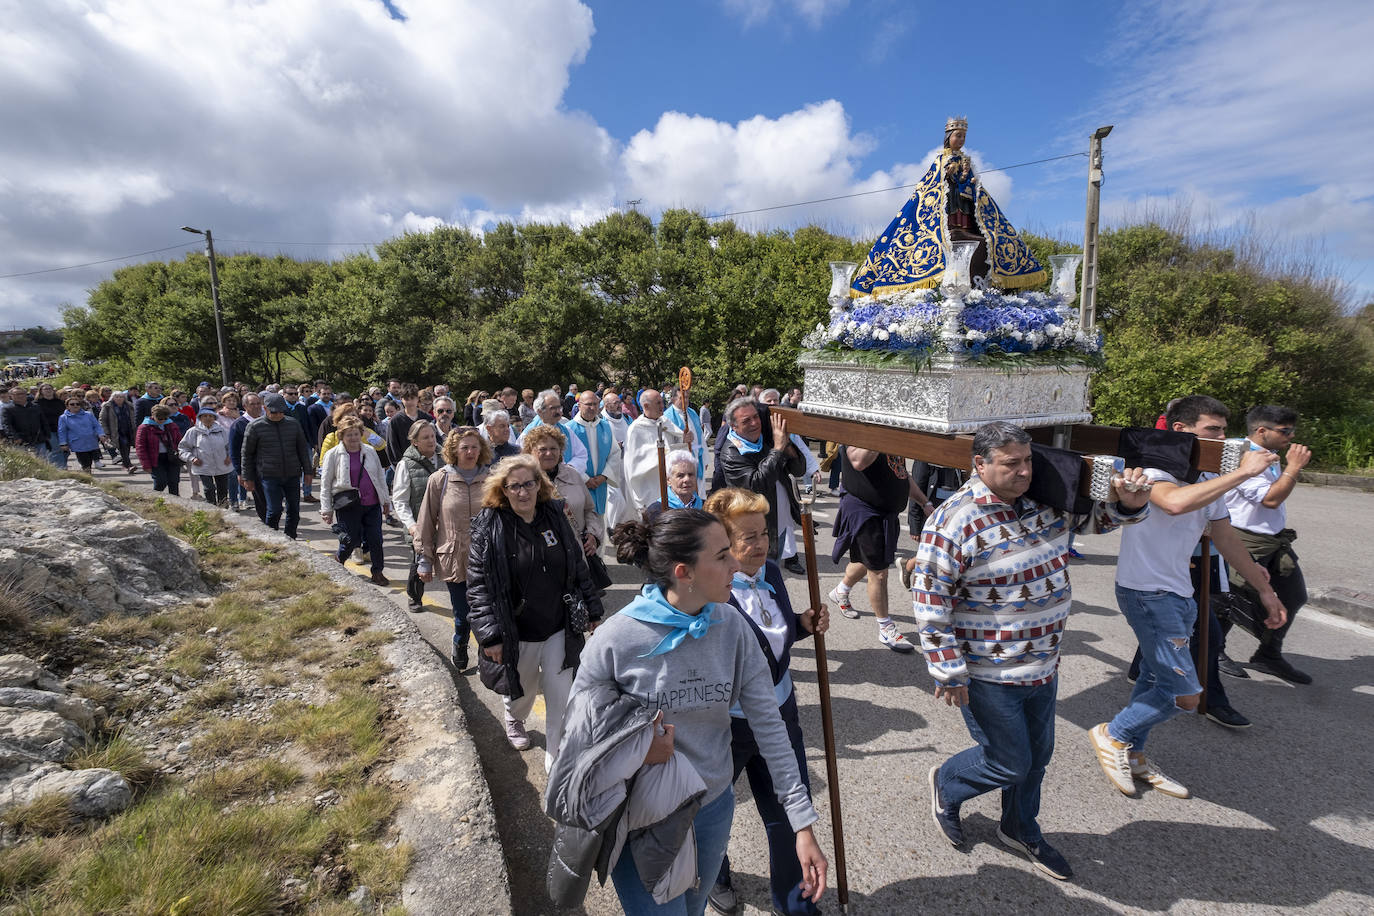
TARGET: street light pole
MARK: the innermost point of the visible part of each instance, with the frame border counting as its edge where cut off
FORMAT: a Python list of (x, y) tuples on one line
[(1087, 307), (214, 295)]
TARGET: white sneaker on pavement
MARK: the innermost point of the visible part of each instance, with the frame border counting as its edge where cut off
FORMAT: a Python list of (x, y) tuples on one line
[(1145, 770), (1114, 758), (889, 636), (845, 608)]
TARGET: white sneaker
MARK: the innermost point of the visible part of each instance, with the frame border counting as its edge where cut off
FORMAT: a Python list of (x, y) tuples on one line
[(1145, 770), (99, 463), (842, 604), (1114, 758), (889, 636)]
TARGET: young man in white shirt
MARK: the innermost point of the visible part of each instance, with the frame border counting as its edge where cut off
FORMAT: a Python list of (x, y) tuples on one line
[(1155, 592)]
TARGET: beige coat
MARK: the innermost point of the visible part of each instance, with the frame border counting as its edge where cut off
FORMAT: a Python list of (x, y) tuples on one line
[(443, 524), (572, 489)]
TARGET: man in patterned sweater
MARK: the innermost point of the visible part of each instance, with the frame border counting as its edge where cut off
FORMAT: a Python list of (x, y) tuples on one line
[(991, 591)]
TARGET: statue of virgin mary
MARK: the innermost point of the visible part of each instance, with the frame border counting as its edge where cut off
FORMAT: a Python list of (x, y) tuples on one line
[(949, 205)]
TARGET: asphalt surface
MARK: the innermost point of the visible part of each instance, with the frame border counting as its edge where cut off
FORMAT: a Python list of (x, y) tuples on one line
[(1282, 818)]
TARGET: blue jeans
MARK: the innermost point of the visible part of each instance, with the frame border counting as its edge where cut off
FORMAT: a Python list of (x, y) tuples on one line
[(713, 833), (458, 597), (1163, 624), (1014, 728), (279, 490), (56, 457), (784, 871)]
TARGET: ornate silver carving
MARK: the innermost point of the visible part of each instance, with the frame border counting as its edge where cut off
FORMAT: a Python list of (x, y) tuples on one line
[(1232, 450), (1105, 467), (950, 396)]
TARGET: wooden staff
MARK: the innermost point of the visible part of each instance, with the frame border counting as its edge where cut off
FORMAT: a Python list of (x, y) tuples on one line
[(832, 767), (1204, 621)]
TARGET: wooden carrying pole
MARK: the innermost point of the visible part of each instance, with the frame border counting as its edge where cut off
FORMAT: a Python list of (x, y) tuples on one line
[(832, 767)]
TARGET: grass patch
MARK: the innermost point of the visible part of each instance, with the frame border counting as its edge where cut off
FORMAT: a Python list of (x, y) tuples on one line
[(183, 854), (349, 726), (357, 673), (30, 864), (120, 754), (373, 639), (17, 463), (99, 694), (47, 815), (362, 813), (380, 868), (211, 696), (257, 779), (274, 677), (226, 737), (122, 628), (190, 657)]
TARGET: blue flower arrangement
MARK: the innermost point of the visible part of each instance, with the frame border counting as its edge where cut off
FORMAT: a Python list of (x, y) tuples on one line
[(1028, 327)]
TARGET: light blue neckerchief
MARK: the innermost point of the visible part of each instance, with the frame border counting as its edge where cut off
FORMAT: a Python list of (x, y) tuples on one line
[(744, 445), (1272, 472), (675, 501), (760, 584), (652, 607)]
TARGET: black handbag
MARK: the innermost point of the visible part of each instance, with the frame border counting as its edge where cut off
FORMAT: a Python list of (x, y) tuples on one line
[(346, 499), (578, 615), (600, 575)]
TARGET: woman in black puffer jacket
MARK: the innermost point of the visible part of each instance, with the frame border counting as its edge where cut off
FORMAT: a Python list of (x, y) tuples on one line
[(526, 574)]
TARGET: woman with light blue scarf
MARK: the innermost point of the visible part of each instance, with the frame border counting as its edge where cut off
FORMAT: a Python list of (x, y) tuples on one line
[(680, 650)]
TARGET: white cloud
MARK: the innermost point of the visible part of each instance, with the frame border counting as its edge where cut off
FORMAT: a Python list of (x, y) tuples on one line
[(1248, 110), (297, 119), (708, 165), (813, 12)]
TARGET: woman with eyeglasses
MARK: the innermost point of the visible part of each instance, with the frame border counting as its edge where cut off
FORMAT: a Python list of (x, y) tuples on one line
[(531, 597), (443, 526), (546, 444), (79, 433), (353, 487)]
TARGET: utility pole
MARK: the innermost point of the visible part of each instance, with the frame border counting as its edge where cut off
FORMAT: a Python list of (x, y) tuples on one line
[(214, 295), (1087, 307)]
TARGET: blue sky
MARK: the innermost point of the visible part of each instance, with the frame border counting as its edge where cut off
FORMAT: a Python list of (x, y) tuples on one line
[(347, 121)]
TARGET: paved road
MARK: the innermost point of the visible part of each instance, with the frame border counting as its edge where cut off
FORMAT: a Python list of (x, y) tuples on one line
[(1282, 821)]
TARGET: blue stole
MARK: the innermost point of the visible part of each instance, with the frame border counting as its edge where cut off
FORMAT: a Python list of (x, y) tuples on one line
[(567, 436), (605, 440), (675, 502), (698, 440), (652, 607)]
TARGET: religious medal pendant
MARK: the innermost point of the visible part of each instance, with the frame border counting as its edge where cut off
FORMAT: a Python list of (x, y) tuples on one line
[(767, 615)]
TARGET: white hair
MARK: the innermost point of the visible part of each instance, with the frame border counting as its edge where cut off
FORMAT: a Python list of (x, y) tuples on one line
[(544, 396), (491, 416), (680, 456)]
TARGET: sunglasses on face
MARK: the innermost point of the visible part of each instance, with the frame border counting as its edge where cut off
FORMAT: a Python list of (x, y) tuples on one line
[(444, 410), (1285, 430)]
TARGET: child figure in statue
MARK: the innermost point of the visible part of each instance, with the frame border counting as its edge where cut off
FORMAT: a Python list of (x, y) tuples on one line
[(949, 205)]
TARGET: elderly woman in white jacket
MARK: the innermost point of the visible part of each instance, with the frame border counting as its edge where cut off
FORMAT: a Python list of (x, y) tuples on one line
[(354, 490)]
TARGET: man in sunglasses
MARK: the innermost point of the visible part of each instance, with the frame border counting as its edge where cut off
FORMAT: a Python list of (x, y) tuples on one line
[(444, 410), (1260, 518)]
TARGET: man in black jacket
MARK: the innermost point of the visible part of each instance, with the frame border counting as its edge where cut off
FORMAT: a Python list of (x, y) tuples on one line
[(747, 461), (25, 424), (275, 452), (298, 411)]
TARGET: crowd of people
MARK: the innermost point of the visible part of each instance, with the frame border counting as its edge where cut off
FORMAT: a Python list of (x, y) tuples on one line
[(510, 503)]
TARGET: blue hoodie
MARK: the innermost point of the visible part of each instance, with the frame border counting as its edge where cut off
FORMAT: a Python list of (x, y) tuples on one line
[(79, 431)]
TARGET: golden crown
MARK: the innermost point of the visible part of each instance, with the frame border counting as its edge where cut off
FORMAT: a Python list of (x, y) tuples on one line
[(956, 124)]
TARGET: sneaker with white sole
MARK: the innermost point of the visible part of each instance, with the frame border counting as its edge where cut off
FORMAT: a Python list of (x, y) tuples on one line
[(1145, 770), (1114, 758), (889, 636), (515, 734), (845, 608)]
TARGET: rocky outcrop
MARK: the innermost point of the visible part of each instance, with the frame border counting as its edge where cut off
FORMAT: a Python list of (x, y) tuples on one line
[(82, 553), (40, 726)]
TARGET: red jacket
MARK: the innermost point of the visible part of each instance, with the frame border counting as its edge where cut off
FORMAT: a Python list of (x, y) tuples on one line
[(146, 441)]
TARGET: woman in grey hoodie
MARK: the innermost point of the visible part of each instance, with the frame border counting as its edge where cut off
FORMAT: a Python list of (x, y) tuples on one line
[(680, 650)]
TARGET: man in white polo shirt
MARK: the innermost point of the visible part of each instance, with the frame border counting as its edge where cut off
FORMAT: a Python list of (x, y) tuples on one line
[(1155, 592), (1260, 519)]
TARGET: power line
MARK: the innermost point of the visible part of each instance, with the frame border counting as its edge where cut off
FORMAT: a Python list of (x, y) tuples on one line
[(900, 187), (125, 257), (804, 203)]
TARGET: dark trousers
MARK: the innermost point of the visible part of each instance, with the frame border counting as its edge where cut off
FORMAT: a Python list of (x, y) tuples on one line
[(282, 493), (784, 872), (259, 498), (87, 459), (216, 488), (1216, 636), (166, 475), (124, 446), (458, 597), (415, 586), (363, 528)]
